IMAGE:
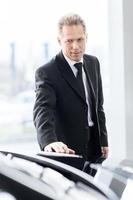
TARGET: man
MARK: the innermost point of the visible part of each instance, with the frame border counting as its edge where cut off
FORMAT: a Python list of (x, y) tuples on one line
[(68, 111)]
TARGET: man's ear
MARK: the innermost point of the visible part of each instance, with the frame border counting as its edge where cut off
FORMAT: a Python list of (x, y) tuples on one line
[(58, 39), (86, 37)]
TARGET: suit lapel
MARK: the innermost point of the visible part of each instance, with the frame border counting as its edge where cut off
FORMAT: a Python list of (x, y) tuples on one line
[(87, 68), (67, 73)]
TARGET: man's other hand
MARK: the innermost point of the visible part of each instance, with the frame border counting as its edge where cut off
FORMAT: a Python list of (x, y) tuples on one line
[(105, 152)]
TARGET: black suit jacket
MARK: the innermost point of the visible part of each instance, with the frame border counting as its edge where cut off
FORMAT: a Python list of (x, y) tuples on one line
[(60, 111)]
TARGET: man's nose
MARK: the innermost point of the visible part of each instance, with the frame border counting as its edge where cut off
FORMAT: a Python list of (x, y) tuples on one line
[(75, 45)]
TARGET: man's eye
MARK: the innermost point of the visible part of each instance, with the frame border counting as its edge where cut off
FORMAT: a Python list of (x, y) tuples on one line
[(69, 41), (80, 39)]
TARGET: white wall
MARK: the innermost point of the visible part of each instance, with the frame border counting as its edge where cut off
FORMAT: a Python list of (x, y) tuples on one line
[(128, 66), (121, 78)]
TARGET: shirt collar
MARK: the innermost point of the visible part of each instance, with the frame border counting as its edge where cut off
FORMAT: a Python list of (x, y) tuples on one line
[(71, 62)]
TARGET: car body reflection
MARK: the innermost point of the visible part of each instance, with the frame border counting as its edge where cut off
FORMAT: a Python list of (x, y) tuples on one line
[(40, 178)]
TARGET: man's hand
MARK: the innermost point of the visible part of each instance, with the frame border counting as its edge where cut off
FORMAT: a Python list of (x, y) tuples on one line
[(105, 151), (58, 147)]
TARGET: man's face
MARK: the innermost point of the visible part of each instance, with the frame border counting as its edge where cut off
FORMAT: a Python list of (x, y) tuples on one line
[(73, 40)]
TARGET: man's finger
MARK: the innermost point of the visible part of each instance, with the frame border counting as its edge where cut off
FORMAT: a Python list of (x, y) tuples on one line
[(71, 151), (48, 149), (58, 148)]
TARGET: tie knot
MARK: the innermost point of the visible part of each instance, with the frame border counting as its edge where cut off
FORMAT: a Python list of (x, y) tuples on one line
[(78, 65)]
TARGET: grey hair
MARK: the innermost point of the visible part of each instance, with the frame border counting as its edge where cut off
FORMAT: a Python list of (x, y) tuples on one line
[(70, 20)]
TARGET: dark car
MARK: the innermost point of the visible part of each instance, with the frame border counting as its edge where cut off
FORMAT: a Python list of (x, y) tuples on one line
[(36, 177)]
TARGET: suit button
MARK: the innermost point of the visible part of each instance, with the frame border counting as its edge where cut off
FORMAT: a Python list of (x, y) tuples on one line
[(86, 146)]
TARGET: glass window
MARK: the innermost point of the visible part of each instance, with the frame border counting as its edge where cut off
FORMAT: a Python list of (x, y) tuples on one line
[(28, 39)]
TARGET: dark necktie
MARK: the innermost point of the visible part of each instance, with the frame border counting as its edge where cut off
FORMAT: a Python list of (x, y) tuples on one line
[(79, 78)]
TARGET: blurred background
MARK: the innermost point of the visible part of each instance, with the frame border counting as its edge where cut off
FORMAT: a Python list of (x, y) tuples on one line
[(28, 39)]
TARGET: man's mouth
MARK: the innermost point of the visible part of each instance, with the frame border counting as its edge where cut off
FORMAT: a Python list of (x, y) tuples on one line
[(75, 53)]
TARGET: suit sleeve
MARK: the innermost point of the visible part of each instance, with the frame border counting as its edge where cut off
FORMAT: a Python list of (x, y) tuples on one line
[(44, 109), (101, 114)]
